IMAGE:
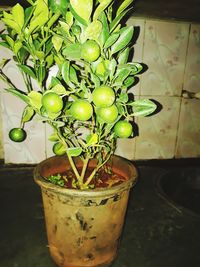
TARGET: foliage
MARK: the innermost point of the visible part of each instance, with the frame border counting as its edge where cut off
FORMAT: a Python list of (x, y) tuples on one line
[(60, 35)]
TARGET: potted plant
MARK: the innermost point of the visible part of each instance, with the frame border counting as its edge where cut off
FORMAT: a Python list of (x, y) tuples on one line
[(78, 52)]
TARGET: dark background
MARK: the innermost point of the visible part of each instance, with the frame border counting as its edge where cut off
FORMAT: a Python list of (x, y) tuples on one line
[(171, 9)]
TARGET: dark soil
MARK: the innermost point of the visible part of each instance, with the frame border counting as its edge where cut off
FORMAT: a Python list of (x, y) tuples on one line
[(104, 178)]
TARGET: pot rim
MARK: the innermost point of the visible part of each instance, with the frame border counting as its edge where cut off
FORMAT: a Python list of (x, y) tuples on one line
[(96, 192)]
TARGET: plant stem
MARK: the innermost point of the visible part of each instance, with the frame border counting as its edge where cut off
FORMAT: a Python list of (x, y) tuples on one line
[(85, 164), (72, 164), (89, 179)]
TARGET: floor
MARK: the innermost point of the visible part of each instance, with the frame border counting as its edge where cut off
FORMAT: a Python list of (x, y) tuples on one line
[(171, 9), (155, 234)]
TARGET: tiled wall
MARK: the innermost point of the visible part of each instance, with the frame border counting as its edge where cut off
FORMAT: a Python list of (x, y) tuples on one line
[(172, 52)]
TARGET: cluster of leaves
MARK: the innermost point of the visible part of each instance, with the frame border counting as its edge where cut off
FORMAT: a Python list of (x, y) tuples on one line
[(48, 37), (57, 180)]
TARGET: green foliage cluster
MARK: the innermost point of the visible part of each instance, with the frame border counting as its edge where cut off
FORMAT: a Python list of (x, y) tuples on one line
[(88, 46)]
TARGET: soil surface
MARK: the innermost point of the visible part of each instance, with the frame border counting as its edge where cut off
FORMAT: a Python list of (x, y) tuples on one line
[(104, 178)]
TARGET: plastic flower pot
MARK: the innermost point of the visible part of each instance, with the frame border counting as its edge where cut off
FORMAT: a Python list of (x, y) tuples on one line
[(84, 226)]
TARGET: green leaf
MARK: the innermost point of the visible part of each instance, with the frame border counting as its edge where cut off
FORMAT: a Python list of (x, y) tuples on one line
[(41, 6), (105, 29), (10, 41), (57, 42), (23, 54), (60, 5), (53, 137), (7, 15), (59, 124), (123, 97), (82, 8), (69, 18), (28, 70), (143, 107), (17, 46), (53, 19), (101, 7), (55, 81), (77, 17), (125, 37), (64, 27), (72, 51), (27, 15), (92, 139), (37, 22), (18, 15), (111, 40), (74, 151), (95, 79), (123, 56), (123, 6), (49, 60), (4, 45), (134, 67), (19, 94), (73, 76), (35, 99), (117, 19), (28, 114), (93, 30), (129, 81), (40, 55), (59, 89), (112, 67), (65, 71), (53, 115), (12, 24), (40, 15), (121, 75)]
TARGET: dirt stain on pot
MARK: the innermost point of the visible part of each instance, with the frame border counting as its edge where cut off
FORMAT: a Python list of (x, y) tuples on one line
[(90, 256), (55, 229), (83, 224)]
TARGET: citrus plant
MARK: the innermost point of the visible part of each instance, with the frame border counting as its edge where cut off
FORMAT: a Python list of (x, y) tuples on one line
[(87, 102)]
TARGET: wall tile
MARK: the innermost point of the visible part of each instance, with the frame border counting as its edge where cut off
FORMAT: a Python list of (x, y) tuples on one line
[(165, 46), (192, 71), (188, 144), (157, 133), (126, 148), (139, 26)]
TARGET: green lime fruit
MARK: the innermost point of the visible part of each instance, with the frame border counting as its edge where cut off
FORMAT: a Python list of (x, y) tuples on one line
[(103, 96), (108, 114), (123, 129), (59, 149), (52, 102), (17, 134), (76, 29), (90, 51), (81, 110)]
